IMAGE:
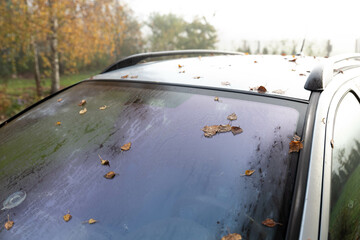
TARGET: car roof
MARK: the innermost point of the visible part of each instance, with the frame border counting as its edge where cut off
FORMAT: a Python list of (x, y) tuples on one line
[(280, 75)]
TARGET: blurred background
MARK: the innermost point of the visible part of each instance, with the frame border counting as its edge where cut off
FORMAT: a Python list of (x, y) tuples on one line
[(46, 45)]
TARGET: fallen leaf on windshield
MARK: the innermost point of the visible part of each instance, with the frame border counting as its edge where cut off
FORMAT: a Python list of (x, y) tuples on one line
[(103, 107), (67, 217), (9, 224), (270, 223), (216, 99), (261, 89), (110, 175), (232, 236), (210, 131), (236, 130), (248, 173), (58, 123), (232, 117), (180, 66), (60, 99), (295, 146), (90, 221), (82, 102), (255, 61), (225, 83), (125, 76), (104, 162), (126, 146), (83, 111), (224, 128)]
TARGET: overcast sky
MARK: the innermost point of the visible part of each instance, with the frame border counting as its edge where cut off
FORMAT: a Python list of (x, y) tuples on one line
[(265, 20)]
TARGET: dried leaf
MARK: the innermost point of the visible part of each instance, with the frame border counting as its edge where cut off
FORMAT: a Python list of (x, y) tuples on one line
[(67, 217), (103, 107), (232, 236), (210, 131), (60, 99), (225, 83), (302, 74), (224, 128), (293, 60), (58, 123), (126, 146), (104, 162), (136, 76), (110, 175), (255, 61), (180, 66), (261, 89), (216, 99), (82, 102), (332, 143), (279, 91), (270, 223), (295, 146), (83, 111), (125, 76), (232, 117), (198, 77), (182, 71), (90, 221), (236, 130), (9, 224), (248, 173)]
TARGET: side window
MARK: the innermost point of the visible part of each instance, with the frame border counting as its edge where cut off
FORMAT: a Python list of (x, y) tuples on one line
[(345, 173)]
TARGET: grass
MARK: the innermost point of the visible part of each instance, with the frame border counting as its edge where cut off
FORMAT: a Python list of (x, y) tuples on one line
[(18, 93)]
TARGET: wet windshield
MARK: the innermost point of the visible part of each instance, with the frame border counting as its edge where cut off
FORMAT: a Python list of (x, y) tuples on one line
[(172, 183)]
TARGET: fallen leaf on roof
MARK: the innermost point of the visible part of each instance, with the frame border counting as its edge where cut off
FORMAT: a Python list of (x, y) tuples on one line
[(270, 222), (126, 146), (279, 91), (248, 173), (60, 99), (198, 77), (110, 175), (83, 111), (136, 76), (255, 61), (232, 236), (332, 143), (125, 76), (225, 83), (104, 162), (58, 123), (103, 107), (67, 217), (236, 130), (261, 89), (180, 66), (232, 117), (82, 102), (9, 224), (295, 146), (90, 221), (216, 99), (293, 60)]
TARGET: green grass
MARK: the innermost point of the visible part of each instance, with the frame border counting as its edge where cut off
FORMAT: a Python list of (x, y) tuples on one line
[(345, 217), (19, 93)]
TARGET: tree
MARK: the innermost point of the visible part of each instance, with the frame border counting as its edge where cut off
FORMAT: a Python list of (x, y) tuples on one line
[(170, 32)]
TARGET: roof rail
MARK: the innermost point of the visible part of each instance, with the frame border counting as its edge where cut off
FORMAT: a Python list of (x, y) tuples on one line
[(321, 75), (135, 59)]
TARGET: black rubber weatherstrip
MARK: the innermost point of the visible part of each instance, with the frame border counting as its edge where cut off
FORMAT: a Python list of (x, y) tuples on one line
[(297, 208)]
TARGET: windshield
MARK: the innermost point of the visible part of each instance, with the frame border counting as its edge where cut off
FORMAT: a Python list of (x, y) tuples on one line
[(172, 183)]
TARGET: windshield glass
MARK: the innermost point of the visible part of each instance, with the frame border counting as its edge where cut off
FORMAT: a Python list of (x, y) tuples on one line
[(172, 183)]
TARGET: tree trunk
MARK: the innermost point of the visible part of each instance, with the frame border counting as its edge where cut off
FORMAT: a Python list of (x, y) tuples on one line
[(36, 67), (55, 75)]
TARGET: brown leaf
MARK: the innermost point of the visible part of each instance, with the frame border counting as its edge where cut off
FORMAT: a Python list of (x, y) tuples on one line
[(302, 74), (270, 223), (332, 143), (216, 99), (225, 83), (224, 128), (125, 76), (232, 117), (103, 107), (255, 61), (104, 162), (67, 217), (232, 236), (236, 130), (210, 131), (198, 77), (9, 224), (180, 66), (261, 89), (83, 111), (293, 60), (295, 146), (126, 146), (82, 102), (60, 99), (136, 76), (248, 173), (110, 175)]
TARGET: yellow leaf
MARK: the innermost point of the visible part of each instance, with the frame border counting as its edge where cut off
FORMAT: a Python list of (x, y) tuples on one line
[(9, 224), (67, 217), (83, 111), (126, 146)]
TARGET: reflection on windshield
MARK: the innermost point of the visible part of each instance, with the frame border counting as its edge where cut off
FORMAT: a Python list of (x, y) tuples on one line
[(173, 183)]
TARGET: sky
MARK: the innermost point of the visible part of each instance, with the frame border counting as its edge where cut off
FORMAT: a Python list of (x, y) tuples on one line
[(236, 20)]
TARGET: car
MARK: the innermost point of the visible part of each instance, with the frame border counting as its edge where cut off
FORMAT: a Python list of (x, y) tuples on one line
[(211, 145)]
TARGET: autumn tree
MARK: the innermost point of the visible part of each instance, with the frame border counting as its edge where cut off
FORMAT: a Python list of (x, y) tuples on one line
[(170, 32)]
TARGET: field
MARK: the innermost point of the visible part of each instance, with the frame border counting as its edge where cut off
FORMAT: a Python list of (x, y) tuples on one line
[(18, 93)]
